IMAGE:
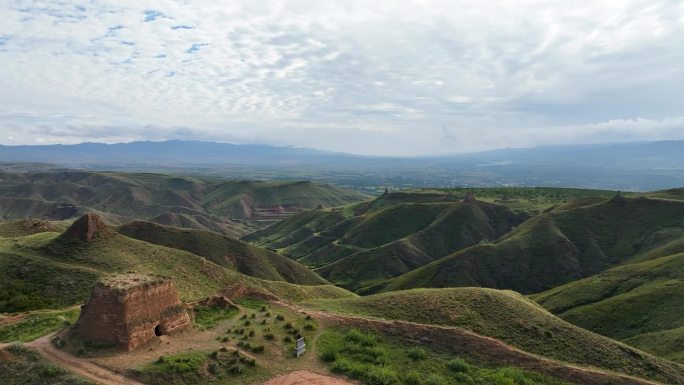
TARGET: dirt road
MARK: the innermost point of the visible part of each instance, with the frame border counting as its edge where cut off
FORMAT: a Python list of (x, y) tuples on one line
[(79, 366), (304, 377)]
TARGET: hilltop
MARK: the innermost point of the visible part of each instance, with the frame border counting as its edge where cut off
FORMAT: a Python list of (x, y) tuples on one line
[(225, 206), (52, 270), (564, 244)]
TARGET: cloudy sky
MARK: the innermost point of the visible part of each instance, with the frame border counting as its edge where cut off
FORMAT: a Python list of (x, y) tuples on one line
[(372, 77)]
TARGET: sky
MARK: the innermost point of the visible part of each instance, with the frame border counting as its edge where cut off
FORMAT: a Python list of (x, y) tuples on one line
[(409, 77)]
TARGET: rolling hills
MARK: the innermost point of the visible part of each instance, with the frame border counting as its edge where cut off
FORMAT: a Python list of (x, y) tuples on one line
[(509, 317), (369, 242), (52, 270), (562, 245), (224, 251), (639, 303), (225, 206)]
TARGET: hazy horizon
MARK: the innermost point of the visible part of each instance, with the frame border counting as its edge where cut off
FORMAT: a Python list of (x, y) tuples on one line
[(410, 78)]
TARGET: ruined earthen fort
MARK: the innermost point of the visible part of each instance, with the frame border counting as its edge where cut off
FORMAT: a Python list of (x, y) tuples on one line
[(131, 310)]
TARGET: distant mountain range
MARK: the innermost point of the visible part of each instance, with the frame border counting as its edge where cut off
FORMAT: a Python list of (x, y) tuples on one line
[(627, 166)]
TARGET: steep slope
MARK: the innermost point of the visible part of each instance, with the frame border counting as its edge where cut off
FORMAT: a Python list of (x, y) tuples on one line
[(639, 303), (224, 251), (558, 247), (229, 207), (509, 317), (56, 270), (367, 243)]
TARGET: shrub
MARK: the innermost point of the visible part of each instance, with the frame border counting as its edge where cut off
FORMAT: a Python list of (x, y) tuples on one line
[(458, 365), (269, 336), (412, 378), (288, 326), (361, 338), (309, 327), (329, 355), (236, 369), (258, 348), (434, 379), (417, 354), (280, 317), (380, 375)]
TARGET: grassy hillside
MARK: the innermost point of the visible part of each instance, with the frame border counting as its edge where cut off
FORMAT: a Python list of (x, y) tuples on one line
[(228, 207), (224, 251), (367, 243), (52, 270), (509, 317), (639, 303), (558, 247)]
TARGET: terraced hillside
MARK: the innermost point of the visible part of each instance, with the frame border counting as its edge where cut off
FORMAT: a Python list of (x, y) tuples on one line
[(369, 242), (224, 206), (509, 317), (53, 270), (560, 246)]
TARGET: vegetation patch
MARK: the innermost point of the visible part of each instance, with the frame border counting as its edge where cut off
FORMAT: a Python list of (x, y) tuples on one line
[(207, 317), (196, 367), (37, 324), (21, 366), (374, 360)]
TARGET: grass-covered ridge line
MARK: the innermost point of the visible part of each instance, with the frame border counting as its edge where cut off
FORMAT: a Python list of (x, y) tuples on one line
[(366, 243), (509, 317), (229, 207), (639, 303), (372, 359), (560, 246), (63, 270), (225, 251)]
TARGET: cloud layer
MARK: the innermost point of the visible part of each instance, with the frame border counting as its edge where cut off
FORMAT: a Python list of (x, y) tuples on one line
[(388, 77)]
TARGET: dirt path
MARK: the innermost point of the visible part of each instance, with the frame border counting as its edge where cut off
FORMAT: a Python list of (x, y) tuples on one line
[(78, 365), (304, 377), (485, 347)]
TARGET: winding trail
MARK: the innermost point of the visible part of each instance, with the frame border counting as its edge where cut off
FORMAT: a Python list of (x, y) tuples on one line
[(79, 366), (485, 347)]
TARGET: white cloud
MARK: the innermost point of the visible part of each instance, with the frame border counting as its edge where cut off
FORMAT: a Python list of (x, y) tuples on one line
[(409, 77)]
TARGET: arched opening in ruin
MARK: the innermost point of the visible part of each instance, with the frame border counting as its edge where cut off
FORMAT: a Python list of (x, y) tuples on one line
[(158, 331)]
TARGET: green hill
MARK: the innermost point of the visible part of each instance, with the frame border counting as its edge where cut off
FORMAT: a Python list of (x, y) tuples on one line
[(512, 318), (639, 303), (225, 206), (53, 270), (224, 251), (372, 241), (557, 247)]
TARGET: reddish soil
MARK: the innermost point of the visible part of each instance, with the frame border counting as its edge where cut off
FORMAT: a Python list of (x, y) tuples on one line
[(304, 377)]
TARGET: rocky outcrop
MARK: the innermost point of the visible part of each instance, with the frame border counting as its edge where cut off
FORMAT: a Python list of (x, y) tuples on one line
[(132, 310)]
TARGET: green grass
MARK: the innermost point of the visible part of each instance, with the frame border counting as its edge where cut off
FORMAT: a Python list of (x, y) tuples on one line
[(556, 248), (367, 243), (207, 317), (26, 367), (509, 317), (196, 368), (224, 251), (250, 303), (37, 324), (638, 302), (62, 271), (375, 360)]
